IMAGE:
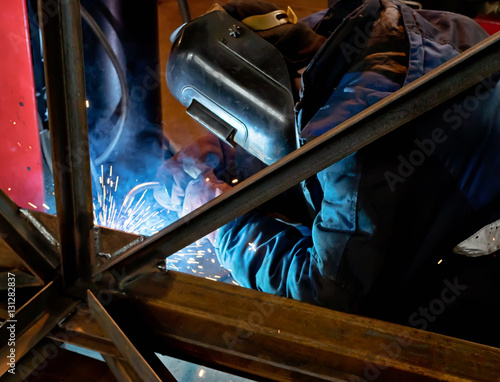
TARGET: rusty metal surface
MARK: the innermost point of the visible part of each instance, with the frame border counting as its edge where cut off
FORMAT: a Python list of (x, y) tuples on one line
[(141, 365), (121, 369), (107, 241), (23, 280), (81, 329), (64, 72), (225, 326), (20, 237), (392, 112), (35, 359), (251, 333), (33, 321)]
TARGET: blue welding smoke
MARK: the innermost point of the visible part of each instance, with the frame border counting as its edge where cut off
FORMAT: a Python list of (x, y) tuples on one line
[(124, 113)]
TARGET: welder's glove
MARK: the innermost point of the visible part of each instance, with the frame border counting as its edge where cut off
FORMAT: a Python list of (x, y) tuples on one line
[(196, 161), (199, 192)]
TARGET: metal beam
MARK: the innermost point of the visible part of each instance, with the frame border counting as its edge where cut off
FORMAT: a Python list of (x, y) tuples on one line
[(23, 280), (144, 366), (38, 251), (64, 72), (33, 321), (229, 327), (36, 359), (120, 369), (394, 111), (81, 329)]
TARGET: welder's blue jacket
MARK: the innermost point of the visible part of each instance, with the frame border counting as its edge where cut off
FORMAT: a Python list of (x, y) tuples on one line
[(393, 208)]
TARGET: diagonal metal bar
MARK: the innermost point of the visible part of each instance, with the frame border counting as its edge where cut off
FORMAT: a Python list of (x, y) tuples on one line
[(64, 72), (33, 321), (413, 100), (23, 280), (136, 360), (120, 369), (82, 330), (250, 333), (36, 250), (27, 366), (267, 336)]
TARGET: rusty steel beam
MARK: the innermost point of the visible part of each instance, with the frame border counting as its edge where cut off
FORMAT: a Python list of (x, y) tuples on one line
[(413, 100), (81, 329), (64, 73), (269, 337), (33, 321), (36, 359), (141, 362), (120, 369), (229, 327), (23, 280), (37, 250)]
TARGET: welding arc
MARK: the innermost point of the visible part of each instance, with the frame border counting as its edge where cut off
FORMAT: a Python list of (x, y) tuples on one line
[(121, 78)]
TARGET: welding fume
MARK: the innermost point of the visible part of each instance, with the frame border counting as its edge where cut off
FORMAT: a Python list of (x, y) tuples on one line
[(380, 233)]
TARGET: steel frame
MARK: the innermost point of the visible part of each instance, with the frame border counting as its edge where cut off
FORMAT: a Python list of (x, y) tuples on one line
[(229, 328)]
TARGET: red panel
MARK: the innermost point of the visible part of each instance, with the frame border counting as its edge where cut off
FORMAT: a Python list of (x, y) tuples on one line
[(21, 172), (490, 23)]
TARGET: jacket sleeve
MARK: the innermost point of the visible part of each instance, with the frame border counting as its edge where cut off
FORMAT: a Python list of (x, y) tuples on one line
[(273, 257), (268, 255)]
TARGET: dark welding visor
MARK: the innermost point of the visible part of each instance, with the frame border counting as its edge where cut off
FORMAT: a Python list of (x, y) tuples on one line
[(234, 83)]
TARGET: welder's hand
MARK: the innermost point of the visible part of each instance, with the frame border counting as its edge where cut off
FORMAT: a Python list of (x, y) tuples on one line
[(194, 161), (174, 177), (199, 192)]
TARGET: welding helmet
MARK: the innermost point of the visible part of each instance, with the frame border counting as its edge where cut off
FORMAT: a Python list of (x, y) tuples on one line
[(234, 82)]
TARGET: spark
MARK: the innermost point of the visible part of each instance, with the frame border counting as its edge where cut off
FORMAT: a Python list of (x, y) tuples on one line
[(46, 206), (132, 215), (234, 181), (87, 103), (201, 373), (9, 189), (252, 247), (207, 179), (32, 205), (440, 261), (14, 123), (136, 211)]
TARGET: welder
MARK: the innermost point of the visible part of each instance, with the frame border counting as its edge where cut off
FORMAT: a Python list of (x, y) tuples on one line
[(387, 221)]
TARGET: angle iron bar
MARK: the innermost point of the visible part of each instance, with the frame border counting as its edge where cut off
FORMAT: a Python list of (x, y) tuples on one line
[(29, 243), (64, 73), (35, 360), (34, 320), (228, 327), (413, 100), (136, 360), (120, 369)]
